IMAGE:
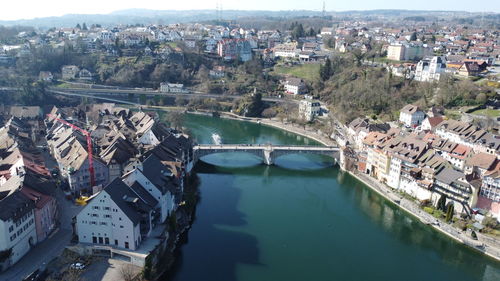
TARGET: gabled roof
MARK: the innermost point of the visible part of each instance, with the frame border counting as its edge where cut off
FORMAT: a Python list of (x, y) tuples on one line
[(15, 206), (482, 160), (449, 175), (410, 109), (121, 194)]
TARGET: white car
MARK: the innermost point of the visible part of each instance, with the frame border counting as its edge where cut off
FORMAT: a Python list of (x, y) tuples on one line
[(77, 265)]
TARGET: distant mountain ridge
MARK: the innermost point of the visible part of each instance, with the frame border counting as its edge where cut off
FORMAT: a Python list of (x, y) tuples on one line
[(146, 16)]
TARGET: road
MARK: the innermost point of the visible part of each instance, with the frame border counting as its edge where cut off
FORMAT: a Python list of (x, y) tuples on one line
[(111, 92)]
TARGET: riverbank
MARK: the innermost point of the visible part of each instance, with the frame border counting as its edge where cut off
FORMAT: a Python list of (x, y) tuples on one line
[(482, 244), (275, 123)]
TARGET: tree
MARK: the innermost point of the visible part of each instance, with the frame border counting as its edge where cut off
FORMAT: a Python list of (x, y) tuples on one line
[(175, 119), (78, 26), (326, 71), (84, 26), (449, 212), (127, 272), (413, 36), (311, 32), (441, 203)]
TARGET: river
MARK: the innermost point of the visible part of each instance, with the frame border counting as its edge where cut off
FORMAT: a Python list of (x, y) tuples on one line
[(303, 219)]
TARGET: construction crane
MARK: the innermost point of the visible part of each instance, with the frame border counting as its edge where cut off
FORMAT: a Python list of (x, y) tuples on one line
[(89, 145)]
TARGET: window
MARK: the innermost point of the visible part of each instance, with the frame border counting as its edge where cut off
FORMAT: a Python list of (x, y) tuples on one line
[(95, 215), (11, 228), (121, 226), (126, 245), (119, 218), (107, 216), (104, 223), (13, 237), (94, 240), (100, 240), (96, 208), (106, 208), (106, 240), (116, 242)]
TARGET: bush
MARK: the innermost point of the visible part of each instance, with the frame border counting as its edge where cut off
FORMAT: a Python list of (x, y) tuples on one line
[(429, 210)]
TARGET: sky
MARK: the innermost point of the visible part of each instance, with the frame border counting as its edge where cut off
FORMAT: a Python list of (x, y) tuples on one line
[(27, 9)]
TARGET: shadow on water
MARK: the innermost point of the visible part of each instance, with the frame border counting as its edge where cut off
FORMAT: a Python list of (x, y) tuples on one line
[(215, 251)]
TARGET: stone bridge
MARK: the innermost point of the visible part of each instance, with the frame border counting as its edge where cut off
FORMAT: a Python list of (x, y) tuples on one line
[(267, 152)]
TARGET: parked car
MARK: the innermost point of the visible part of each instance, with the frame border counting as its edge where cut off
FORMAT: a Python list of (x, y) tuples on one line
[(77, 265)]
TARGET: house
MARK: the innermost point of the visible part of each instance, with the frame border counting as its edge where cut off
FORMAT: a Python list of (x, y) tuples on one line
[(172, 88), (118, 216), (295, 86), (84, 74), (45, 207), (454, 186), (45, 76), (217, 72), (309, 109), (411, 115), (480, 163), (234, 49), (489, 195), (69, 72), (472, 68), (430, 123), (17, 226), (158, 181), (288, 50)]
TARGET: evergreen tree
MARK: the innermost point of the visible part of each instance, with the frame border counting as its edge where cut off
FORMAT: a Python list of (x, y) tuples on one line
[(84, 27), (312, 32), (78, 26), (326, 71), (413, 36), (441, 204), (449, 212)]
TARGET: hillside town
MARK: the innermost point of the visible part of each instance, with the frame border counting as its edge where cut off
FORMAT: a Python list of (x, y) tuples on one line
[(413, 105)]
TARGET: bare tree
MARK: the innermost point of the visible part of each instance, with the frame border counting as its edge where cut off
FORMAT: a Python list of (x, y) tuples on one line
[(127, 272)]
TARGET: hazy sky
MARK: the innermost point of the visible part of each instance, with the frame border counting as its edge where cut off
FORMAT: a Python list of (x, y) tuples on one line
[(25, 9)]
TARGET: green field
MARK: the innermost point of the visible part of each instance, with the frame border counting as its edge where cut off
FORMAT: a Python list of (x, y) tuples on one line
[(309, 72), (487, 112)]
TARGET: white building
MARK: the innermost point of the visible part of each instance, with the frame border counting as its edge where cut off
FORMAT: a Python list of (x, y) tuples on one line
[(295, 86), (411, 115), (17, 227), (118, 216), (286, 50), (154, 177), (429, 70), (172, 88), (308, 109)]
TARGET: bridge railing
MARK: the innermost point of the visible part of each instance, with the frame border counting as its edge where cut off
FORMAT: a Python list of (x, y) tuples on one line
[(212, 146)]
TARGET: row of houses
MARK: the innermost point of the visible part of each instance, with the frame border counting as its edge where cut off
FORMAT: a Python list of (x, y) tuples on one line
[(139, 167), (451, 159), (29, 210)]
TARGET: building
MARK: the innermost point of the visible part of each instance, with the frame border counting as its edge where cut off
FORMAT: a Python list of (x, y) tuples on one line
[(308, 109), (455, 187), (234, 49), (411, 115), (430, 123), (406, 52), (396, 52), (288, 50), (295, 86), (69, 72), (17, 227), (429, 70), (119, 216), (172, 88), (45, 76)]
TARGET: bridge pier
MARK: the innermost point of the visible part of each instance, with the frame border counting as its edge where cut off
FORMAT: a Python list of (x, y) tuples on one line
[(268, 156)]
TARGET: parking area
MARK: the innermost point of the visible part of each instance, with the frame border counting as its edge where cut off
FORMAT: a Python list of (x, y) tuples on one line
[(107, 269)]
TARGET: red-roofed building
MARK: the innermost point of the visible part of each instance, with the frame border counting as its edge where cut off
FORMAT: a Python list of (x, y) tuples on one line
[(45, 212)]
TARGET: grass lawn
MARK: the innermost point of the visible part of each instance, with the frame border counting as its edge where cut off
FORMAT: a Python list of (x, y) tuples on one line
[(309, 72), (488, 112)]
